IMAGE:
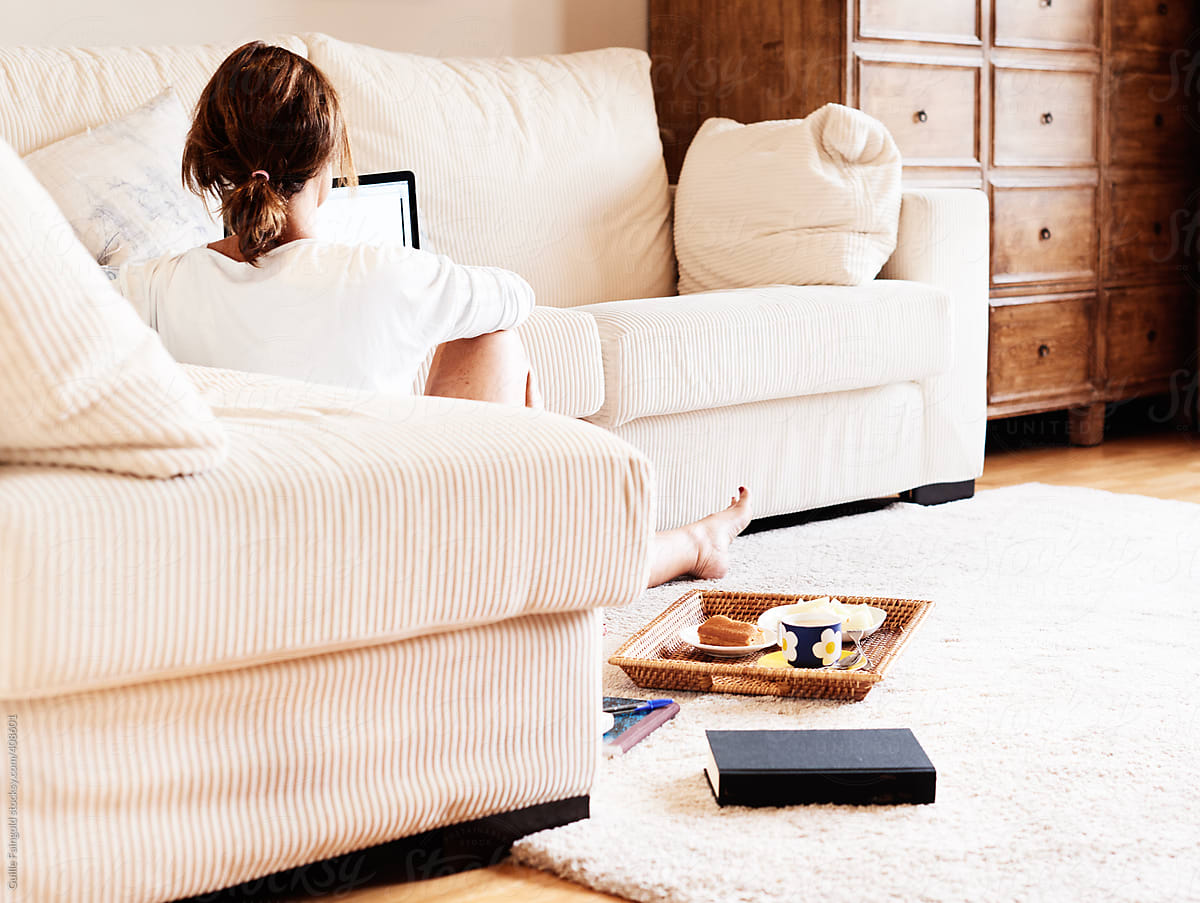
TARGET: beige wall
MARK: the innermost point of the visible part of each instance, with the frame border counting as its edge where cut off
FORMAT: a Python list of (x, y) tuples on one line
[(441, 27)]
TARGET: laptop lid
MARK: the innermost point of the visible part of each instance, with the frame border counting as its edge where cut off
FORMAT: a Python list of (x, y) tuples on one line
[(382, 209)]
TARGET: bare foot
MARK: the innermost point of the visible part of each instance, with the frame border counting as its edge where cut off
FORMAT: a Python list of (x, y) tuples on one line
[(714, 533)]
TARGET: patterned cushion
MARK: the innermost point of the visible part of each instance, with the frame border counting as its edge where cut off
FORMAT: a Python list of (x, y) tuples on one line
[(120, 187)]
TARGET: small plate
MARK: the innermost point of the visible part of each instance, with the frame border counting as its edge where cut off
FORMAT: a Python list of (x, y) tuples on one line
[(691, 636), (768, 621)]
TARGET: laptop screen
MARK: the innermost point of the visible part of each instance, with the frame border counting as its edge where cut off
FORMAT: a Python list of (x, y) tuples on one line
[(382, 209)]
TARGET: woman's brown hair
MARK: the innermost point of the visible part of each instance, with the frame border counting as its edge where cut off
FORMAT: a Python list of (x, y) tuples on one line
[(267, 122)]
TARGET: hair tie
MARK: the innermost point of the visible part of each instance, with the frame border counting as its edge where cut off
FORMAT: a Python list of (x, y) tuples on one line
[(266, 176)]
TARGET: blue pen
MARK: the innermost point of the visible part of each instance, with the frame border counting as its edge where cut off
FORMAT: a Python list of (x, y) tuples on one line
[(637, 708)]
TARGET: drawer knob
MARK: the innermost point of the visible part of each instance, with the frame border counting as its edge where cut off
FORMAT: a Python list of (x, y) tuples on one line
[(1044, 235), (1162, 9), (1046, 4), (1152, 335), (1043, 350), (1047, 118), (922, 116)]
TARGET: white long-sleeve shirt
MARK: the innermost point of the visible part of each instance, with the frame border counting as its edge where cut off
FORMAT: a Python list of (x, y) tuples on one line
[(360, 316)]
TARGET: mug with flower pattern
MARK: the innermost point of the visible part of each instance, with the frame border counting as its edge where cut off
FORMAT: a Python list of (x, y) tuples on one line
[(811, 639)]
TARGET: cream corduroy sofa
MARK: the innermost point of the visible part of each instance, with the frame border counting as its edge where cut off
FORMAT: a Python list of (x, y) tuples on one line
[(378, 618)]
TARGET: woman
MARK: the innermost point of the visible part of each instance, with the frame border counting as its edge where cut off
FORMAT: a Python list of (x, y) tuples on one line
[(272, 298)]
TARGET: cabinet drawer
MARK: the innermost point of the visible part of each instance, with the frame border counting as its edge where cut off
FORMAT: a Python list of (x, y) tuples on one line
[(1151, 23), (1043, 234), (954, 21), (1041, 348), (1047, 23), (1151, 333), (931, 111), (1151, 224), (1044, 118), (1149, 119)]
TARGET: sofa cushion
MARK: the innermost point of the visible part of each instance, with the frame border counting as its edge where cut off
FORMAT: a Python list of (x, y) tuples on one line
[(340, 520), (49, 93), (119, 185), (690, 353), (83, 382), (550, 166), (811, 201)]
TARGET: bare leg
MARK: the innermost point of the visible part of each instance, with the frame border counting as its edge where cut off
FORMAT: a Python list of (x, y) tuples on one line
[(700, 549), (492, 367)]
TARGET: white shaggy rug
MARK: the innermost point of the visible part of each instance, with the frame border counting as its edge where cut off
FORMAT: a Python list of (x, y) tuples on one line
[(1055, 686)]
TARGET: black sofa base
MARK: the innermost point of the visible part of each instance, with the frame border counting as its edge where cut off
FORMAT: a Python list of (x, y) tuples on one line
[(939, 493), (444, 851)]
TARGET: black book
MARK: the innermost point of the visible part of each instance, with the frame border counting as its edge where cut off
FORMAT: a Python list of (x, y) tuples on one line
[(786, 768)]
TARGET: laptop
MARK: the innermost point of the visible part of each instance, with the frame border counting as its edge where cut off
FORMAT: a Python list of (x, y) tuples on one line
[(382, 209)]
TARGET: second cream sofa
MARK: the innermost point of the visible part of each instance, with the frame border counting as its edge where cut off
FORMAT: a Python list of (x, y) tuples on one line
[(810, 395), (552, 166)]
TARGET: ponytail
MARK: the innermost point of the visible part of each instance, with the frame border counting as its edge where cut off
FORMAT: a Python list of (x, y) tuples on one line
[(266, 123), (256, 213)]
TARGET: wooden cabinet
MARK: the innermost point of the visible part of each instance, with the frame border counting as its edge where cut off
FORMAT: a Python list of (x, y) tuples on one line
[(1043, 117), (1149, 230), (1078, 117), (1151, 127), (931, 111), (1055, 25), (952, 22), (1043, 235), (1152, 24), (1151, 331), (1042, 345)]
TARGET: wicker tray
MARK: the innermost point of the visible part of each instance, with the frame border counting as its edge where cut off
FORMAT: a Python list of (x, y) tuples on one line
[(656, 657)]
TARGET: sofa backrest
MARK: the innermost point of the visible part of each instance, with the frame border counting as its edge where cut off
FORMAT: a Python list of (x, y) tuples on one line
[(550, 166), (50, 93)]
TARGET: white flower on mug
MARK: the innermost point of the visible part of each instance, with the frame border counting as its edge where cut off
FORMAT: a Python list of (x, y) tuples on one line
[(788, 645), (826, 648)]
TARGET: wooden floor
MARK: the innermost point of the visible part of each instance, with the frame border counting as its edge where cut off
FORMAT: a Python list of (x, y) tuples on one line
[(1165, 465)]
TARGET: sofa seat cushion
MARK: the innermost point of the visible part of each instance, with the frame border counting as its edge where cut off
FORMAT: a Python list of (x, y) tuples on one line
[(711, 349), (339, 520)]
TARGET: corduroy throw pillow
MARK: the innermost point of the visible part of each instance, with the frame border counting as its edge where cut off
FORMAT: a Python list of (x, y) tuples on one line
[(83, 382), (811, 201)]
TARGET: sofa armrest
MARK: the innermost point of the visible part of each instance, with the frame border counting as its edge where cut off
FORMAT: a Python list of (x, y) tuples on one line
[(944, 241), (564, 350), (340, 519)]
